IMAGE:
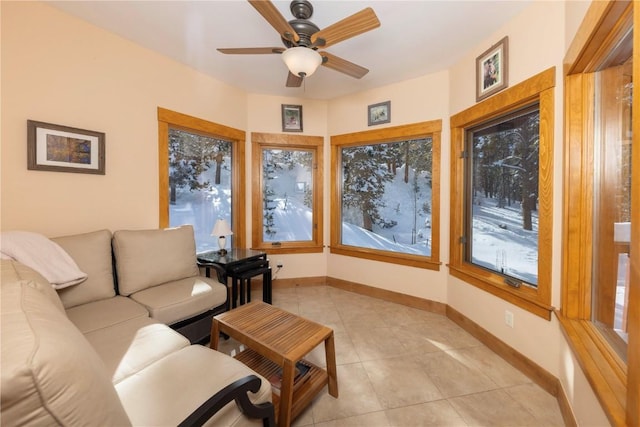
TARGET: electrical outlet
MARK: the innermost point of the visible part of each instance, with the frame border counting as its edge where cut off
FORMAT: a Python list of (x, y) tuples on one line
[(508, 318), (279, 264)]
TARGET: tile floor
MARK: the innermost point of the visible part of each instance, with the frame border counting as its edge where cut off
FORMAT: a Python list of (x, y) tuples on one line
[(399, 366)]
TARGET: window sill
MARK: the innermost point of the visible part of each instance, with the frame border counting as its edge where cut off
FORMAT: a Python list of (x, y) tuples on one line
[(515, 296), (604, 370), (287, 249), (389, 257)]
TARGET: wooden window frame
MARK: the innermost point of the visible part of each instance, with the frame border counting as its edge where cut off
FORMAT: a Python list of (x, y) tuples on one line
[(538, 88), (615, 383), (261, 141), (426, 129), (168, 119)]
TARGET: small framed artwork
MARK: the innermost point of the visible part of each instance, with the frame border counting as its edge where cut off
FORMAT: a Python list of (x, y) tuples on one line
[(64, 149), (379, 113), (492, 70), (291, 118)]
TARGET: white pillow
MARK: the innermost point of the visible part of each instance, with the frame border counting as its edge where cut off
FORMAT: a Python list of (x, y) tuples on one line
[(43, 255)]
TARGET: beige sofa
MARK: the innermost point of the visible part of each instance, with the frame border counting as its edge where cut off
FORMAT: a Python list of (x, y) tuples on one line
[(156, 276), (88, 355)]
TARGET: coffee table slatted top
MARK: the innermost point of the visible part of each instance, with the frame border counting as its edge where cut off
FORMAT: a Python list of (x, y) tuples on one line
[(279, 333), (275, 335)]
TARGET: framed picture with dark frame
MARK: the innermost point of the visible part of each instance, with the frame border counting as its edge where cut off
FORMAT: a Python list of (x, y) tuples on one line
[(492, 70), (379, 113), (64, 149), (291, 118)]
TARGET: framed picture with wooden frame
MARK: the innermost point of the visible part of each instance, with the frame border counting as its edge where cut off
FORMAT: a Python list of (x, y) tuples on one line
[(64, 149), (492, 70), (291, 118)]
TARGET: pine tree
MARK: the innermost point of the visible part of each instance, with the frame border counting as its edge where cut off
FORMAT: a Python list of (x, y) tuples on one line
[(190, 155), (365, 173), (506, 163), (268, 193)]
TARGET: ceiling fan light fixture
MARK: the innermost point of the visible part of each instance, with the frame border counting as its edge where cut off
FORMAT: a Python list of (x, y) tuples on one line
[(302, 61)]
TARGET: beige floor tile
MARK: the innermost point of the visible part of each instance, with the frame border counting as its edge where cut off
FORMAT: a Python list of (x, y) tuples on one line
[(345, 352), (415, 338), (421, 366), (399, 381), (284, 294), (327, 316), (493, 408), (398, 315), (290, 305), (230, 346), (373, 419), (304, 419), (356, 396), (538, 402), (437, 413), (372, 343), (452, 376), (446, 335), (361, 315), (492, 365)]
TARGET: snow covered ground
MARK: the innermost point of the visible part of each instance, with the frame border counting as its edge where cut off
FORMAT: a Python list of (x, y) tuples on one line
[(500, 243), (498, 240)]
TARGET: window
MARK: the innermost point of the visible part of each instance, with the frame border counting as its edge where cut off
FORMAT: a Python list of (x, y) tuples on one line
[(501, 194), (502, 174), (200, 178), (601, 263), (287, 193), (386, 194)]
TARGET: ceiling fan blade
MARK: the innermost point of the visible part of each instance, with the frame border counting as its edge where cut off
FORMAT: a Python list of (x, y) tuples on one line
[(351, 26), (343, 66), (293, 80), (251, 50), (275, 18)]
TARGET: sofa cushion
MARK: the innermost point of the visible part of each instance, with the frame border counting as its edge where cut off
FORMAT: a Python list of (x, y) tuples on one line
[(130, 346), (50, 374), (105, 313), (43, 255), (146, 258), (181, 299), (181, 382), (13, 271), (92, 253)]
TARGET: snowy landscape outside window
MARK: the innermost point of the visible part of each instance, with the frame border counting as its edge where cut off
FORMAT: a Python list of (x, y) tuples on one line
[(199, 184), (502, 169), (201, 177), (502, 194), (386, 195), (287, 193)]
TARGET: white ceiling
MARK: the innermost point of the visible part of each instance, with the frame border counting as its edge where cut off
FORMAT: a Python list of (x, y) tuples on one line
[(415, 38)]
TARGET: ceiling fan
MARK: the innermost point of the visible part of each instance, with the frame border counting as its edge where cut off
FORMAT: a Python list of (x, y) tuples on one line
[(303, 38)]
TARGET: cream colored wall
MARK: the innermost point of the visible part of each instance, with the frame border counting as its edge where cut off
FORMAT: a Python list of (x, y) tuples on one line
[(530, 52), (58, 69), (538, 39), (265, 115), (417, 100)]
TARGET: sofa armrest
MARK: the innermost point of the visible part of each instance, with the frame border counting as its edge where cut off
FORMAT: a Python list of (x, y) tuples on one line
[(235, 391)]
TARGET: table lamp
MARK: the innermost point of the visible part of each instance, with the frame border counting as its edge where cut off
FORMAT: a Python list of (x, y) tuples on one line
[(221, 230)]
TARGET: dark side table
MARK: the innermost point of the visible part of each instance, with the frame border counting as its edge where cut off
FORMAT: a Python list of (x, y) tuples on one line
[(239, 265)]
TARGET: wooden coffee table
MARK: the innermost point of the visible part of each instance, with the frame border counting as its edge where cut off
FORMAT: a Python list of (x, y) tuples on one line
[(272, 335)]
